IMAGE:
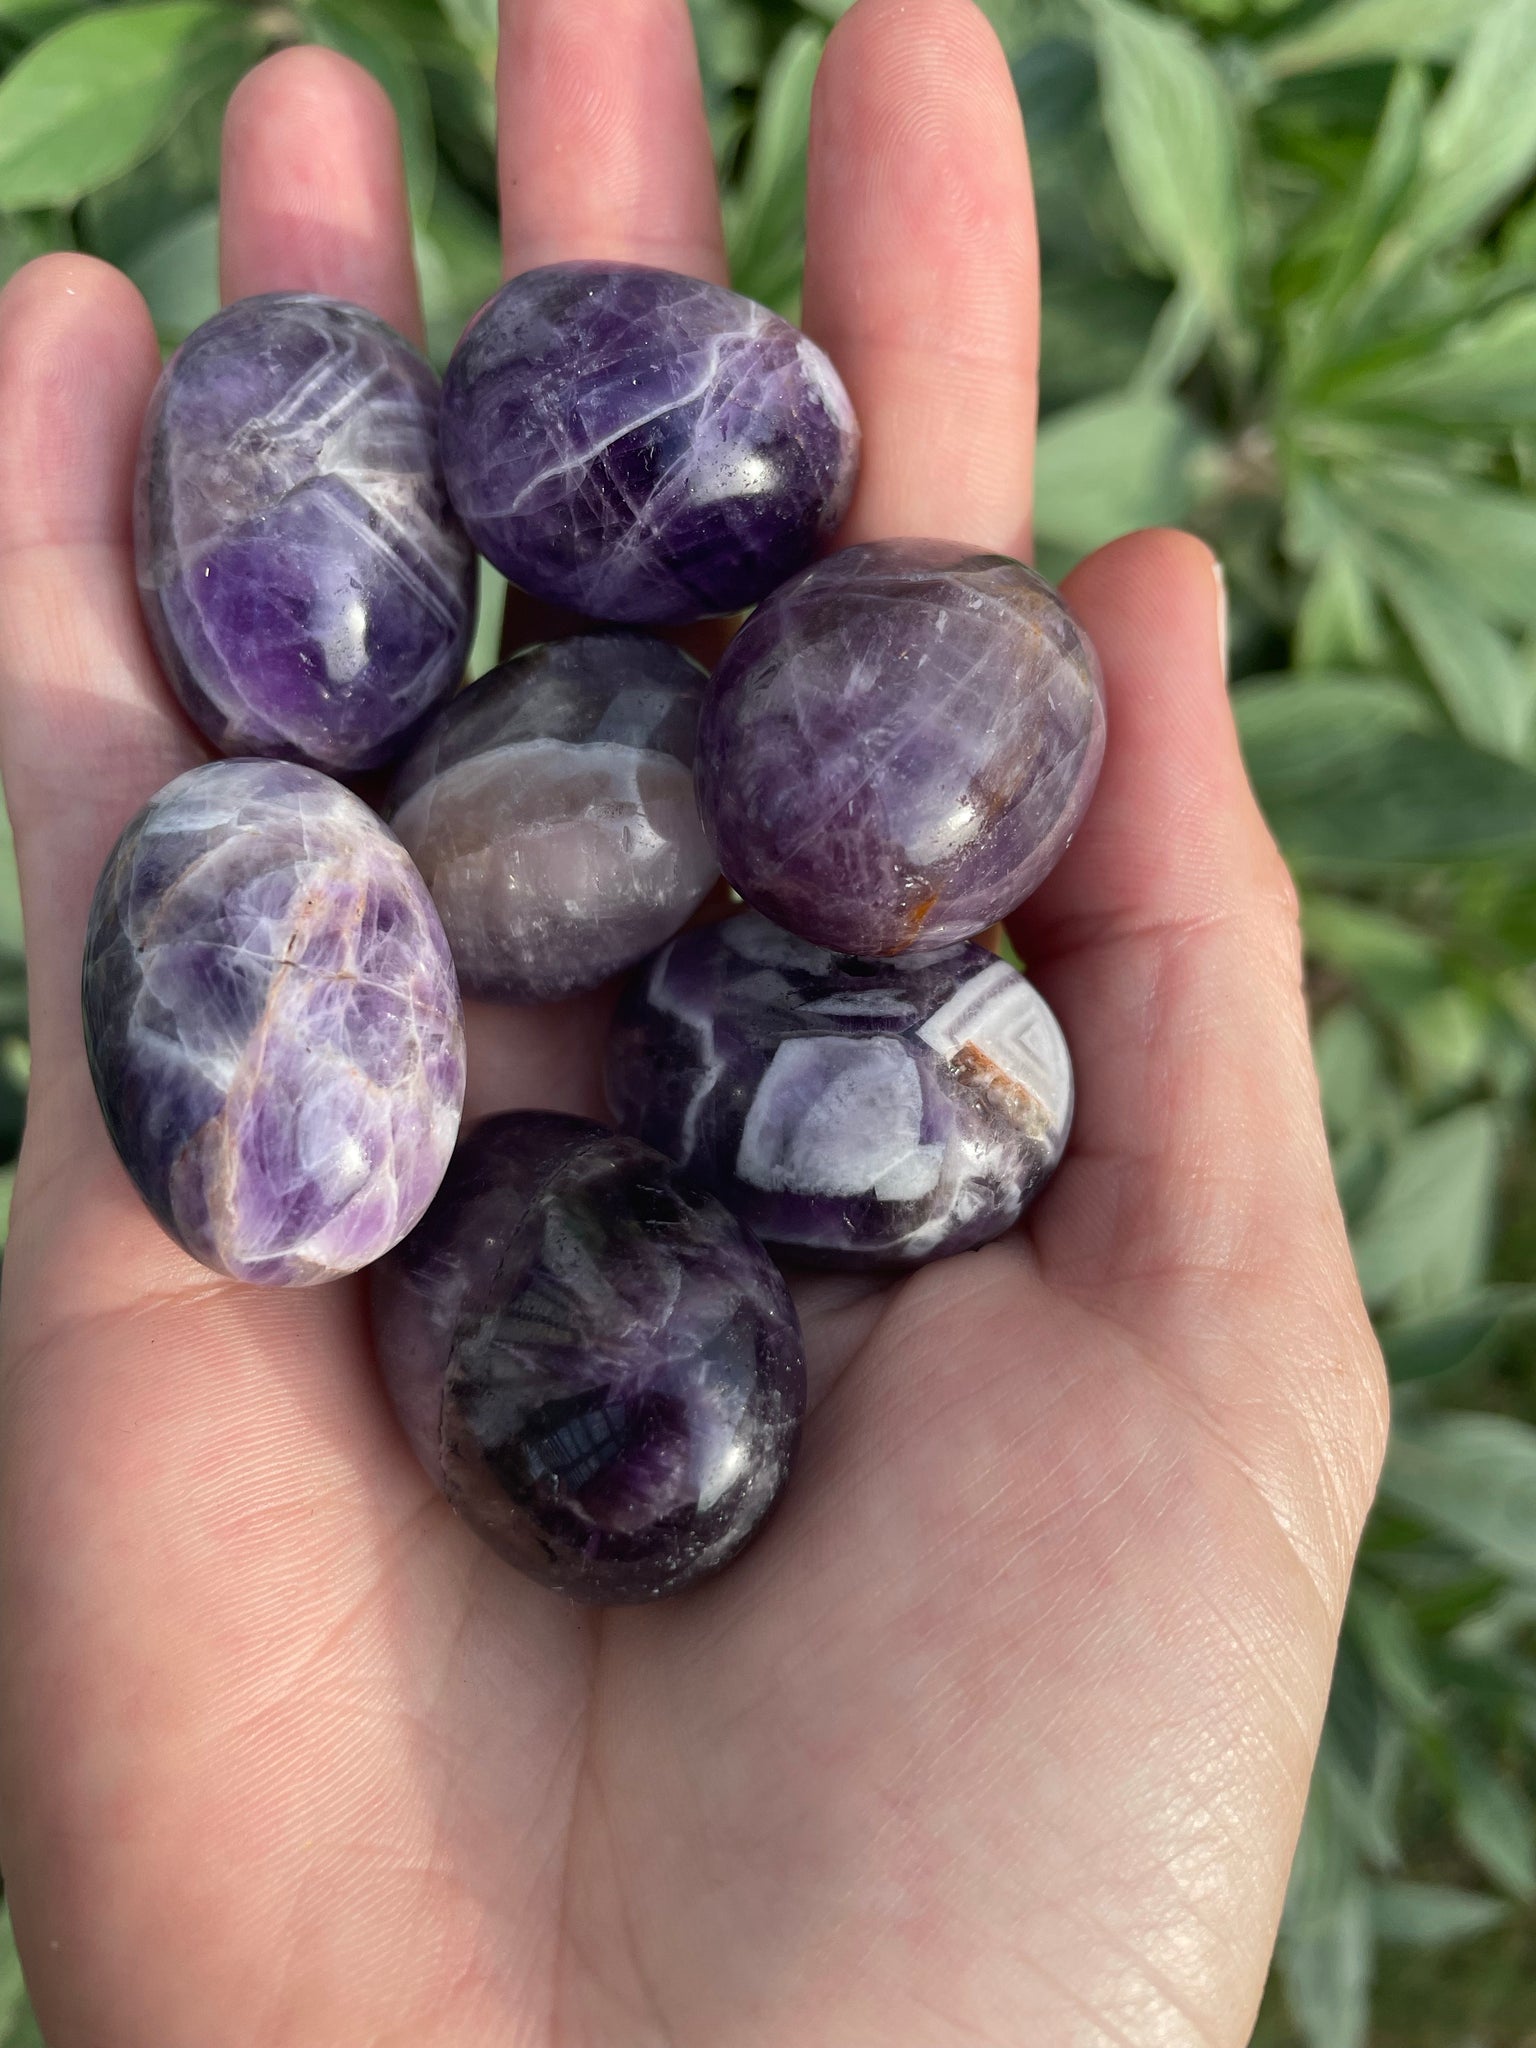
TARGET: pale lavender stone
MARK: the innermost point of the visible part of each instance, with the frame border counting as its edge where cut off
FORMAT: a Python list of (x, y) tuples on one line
[(641, 446), (898, 745), (853, 1113), (272, 1022), (306, 583), (594, 1361), (551, 809)]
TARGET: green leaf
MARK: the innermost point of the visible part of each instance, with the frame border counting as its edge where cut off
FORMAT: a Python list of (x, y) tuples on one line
[(1433, 1915), (491, 611), (1426, 1346), (1425, 1239), (1481, 537), (1480, 141), (1293, 732), (10, 894), (18, 2029), (1326, 1947), (765, 211), (1389, 173), (1493, 1819), (1374, 31), (178, 273), (1173, 130), (1391, 959), (1484, 685), (1339, 624), (1383, 1628), (1347, 1052), (92, 99), (474, 23), (1352, 773), (1481, 374), (1112, 465), (1473, 1477)]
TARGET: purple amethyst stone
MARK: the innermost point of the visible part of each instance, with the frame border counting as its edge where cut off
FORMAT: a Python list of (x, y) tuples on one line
[(898, 745), (550, 808), (592, 1359), (307, 586), (852, 1113), (272, 1023), (641, 446)]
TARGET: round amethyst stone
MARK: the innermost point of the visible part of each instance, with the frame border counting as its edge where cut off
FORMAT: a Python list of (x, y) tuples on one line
[(853, 1113), (898, 745), (550, 808), (272, 1023), (593, 1360), (307, 586), (641, 446)]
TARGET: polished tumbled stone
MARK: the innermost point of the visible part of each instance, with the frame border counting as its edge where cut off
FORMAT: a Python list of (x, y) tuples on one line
[(272, 1022), (551, 809), (306, 583), (592, 1359), (851, 1112), (898, 745), (641, 446)]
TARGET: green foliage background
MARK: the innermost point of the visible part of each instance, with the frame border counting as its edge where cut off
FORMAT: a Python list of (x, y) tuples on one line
[(1290, 300)]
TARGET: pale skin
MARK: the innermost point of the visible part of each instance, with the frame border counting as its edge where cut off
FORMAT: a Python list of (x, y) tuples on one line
[(1001, 1732)]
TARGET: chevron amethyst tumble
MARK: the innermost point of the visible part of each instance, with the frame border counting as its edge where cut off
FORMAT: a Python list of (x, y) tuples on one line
[(272, 1022), (898, 745), (306, 584), (643, 447), (594, 1361), (550, 808), (853, 1113)]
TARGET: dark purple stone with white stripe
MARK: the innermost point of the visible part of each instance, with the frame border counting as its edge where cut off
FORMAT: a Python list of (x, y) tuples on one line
[(898, 745), (853, 1113), (593, 1360), (641, 446), (272, 1022), (306, 583)]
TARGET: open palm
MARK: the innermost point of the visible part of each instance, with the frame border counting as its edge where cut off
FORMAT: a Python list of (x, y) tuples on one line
[(1000, 1733)]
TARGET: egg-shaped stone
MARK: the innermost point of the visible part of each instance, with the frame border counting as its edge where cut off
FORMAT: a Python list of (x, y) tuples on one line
[(551, 809), (853, 1113), (592, 1359), (307, 585), (641, 446), (898, 745), (272, 1022)]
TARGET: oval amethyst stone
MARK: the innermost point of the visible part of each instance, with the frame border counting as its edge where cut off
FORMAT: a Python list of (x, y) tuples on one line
[(550, 808), (306, 584), (898, 745), (852, 1113), (593, 1360), (272, 1022), (642, 446)]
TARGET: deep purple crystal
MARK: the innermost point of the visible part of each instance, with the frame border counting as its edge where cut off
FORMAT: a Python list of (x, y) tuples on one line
[(641, 446), (272, 1022), (898, 745), (851, 1112), (550, 808), (592, 1359), (307, 586)]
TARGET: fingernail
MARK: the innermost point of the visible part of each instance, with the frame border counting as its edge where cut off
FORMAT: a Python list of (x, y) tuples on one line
[(1221, 614)]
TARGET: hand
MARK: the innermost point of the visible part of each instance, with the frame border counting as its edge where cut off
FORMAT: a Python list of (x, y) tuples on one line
[(1001, 1732)]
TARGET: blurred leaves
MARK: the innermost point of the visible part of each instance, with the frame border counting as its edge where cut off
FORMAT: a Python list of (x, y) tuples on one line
[(18, 2029), (1474, 1478), (1173, 131), (92, 99), (1289, 291), (1111, 465)]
